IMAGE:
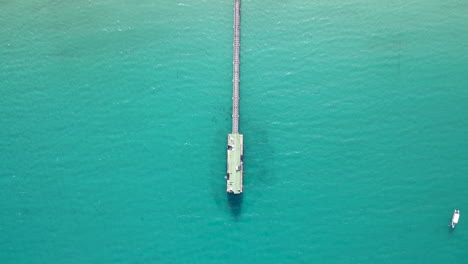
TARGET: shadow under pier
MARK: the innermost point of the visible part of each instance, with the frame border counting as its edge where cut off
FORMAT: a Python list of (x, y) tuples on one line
[(235, 204)]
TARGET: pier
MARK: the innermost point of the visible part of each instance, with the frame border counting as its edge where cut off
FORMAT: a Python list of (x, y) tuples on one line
[(235, 149)]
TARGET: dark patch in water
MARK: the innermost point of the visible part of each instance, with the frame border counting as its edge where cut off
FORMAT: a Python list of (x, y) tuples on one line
[(235, 204)]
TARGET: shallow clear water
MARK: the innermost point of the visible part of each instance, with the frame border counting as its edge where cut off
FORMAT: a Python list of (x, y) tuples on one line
[(114, 116)]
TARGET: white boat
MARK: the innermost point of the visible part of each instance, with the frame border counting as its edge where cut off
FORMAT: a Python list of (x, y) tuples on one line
[(455, 218)]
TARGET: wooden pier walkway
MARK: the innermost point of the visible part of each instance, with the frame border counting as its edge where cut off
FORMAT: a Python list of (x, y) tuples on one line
[(235, 149), (236, 68)]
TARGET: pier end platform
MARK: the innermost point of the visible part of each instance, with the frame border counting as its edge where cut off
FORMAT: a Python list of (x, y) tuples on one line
[(235, 163)]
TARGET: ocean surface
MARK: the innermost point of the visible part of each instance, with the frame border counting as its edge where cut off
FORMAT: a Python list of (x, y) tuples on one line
[(114, 116)]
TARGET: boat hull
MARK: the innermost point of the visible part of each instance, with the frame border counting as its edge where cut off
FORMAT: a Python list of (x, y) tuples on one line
[(455, 218)]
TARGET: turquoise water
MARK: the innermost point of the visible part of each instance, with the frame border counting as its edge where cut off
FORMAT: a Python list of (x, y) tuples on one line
[(114, 116)]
